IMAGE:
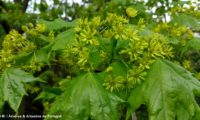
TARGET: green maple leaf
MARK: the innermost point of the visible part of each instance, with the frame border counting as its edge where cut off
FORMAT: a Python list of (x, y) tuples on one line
[(41, 55), (168, 92), (56, 24), (63, 39), (85, 98), (12, 87)]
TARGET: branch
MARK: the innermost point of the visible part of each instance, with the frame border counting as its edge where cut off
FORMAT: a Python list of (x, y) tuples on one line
[(18, 1), (25, 5), (134, 117), (2, 6), (3, 22), (5, 26)]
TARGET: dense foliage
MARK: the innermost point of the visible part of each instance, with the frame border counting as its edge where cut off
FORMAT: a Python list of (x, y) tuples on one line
[(103, 60)]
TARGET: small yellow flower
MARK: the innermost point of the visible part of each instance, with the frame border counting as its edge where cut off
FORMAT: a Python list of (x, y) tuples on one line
[(187, 64), (30, 25), (131, 12), (40, 28), (109, 69), (198, 76)]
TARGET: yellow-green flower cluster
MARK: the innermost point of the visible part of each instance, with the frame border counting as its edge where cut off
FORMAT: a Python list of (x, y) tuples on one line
[(136, 74), (6, 59), (114, 83), (13, 44), (158, 46), (114, 27), (183, 33), (152, 46), (197, 75), (142, 53), (17, 43), (34, 65), (139, 52), (76, 57), (191, 10), (87, 31), (141, 23), (187, 65), (51, 36), (30, 29)]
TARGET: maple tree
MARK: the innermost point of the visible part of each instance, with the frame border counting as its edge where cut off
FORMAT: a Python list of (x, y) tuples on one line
[(105, 64)]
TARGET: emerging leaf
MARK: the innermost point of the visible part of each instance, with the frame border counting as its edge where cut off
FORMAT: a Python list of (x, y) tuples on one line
[(168, 92), (86, 99)]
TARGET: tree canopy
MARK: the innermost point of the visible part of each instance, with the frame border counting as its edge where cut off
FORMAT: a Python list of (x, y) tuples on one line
[(100, 59)]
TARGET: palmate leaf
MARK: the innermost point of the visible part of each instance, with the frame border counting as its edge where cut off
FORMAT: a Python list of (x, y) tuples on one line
[(41, 55), (168, 92), (63, 39), (84, 99), (49, 93), (12, 87), (56, 24), (193, 44)]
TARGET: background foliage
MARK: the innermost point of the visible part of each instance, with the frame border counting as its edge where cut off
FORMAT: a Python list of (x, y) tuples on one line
[(100, 59)]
